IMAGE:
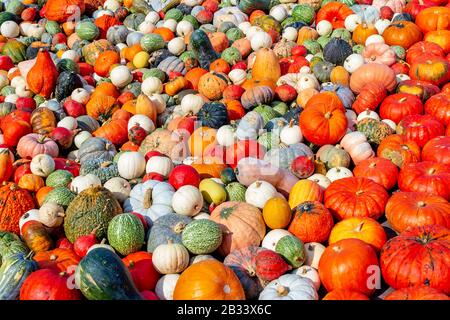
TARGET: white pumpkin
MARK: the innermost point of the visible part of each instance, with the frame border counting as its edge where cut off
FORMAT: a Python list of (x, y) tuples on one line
[(80, 95), (187, 201), (166, 286), (112, 5), (151, 85), (355, 143), (18, 82), (146, 27), (374, 38), (143, 121), (119, 187), (23, 92), (390, 123), (245, 27), (289, 287), (121, 76), (324, 28), (191, 104), (159, 102), (30, 215), (81, 183), (279, 12), (202, 215), (176, 46), (131, 165), (337, 173), (291, 134), (260, 39), (309, 273), (35, 30), (170, 258), (42, 165), (69, 123), (152, 16), (381, 25), (226, 135), (353, 62), (300, 81), (320, 179), (23, 27), (10, 29), (367, 114), (314, 251), (259, 192), (352, 21), (81, 137), (272, 237), (237, 76), (290, 34), (152, 199), (12, 98), (200, 257), (72, 55), (51, 214), (184, 28), (159, 164)]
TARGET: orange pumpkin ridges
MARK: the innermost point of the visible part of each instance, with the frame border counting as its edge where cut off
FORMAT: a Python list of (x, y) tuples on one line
[(63, 260)]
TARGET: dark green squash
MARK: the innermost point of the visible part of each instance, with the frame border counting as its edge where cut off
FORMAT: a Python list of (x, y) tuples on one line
[(322, 70), (8, 16), (248, 6), (13, 272), (336, 51), (10, 243), (6, 107), (202, 47), (101, 275), (67, 65), (67, 82), (213, 115)]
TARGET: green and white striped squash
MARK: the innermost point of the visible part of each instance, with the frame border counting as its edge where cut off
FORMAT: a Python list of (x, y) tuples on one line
[(59, 178), (152, 42), (126, 233), (202, 236), (87, 30), (292, 250)]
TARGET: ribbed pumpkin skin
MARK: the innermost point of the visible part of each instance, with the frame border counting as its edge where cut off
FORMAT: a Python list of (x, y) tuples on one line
[(14, 202), (59, 259), (13, 272), (241, 223), (417, 293), (104, 170), (343, 294), (126, 233), (94, 207), (61, 196), (405, 259), (208, 280), (305, 190)]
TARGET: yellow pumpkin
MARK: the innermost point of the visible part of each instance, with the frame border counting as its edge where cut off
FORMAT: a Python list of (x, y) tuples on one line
[(277, 213), (340, 76), (305, 190)]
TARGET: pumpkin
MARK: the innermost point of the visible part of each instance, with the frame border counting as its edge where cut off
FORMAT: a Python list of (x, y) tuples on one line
[(395, 107), (346, 265), (212, 85), (213, 115), (60, 11), (96, 148), (6, 164), (14, 130), (344, 294), (256, 96), (304, 190), (399, 149), (423, 47), (105, 61), (402, 33), (266, 66), (208, 166), (425, 176), (365, 229), (422, 89), (438, 106), (15, 202), (355, 197), (323, 123), (340, 76), (31, 182), (311, 222), (42, 77), (43, 120), (289, 287), (306, 33), (420, 128), (92, 50), (404, 259), (61, 260), (371, 73), (433, 69), (437, 150), (379, 53), (211, 279), (433, 19), (334, 12), (439, 37), (380, 170), (101, 107), (193, 76), (170, 258), (33, 144), (362, 32), (277, 213), (114, 131), (241, 223), (420, 292)]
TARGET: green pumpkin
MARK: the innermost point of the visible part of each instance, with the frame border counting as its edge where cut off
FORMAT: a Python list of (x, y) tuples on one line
[(227, 176), (90, 51), (59, 178), (15, 6), (225, 26), (266, 112), (87, 30), (7, 16), (231, 55), (13, 272), (165, 228), (322, 70), (126, 233), (186, 56), (400, 52), (134, 88), (154, 72), (323, 40), (141, 7), (235, 192), (68, 65), (16, 50), (359, 48), (175, 14), (292, 250), (287, 21), (104, 170), (304, 13), (374, 130), (341, 33), (282, 156), (152, 42), (280, 107), (52, 27), (6, 107), (91, 210), (192, 20), (269, 140), (333, 156), (312, 46), (248, 6), (133, 21), (213, 115), (234, 34), (66, 83), (10, 243), (202, 236), (61, 196), (202, 48)]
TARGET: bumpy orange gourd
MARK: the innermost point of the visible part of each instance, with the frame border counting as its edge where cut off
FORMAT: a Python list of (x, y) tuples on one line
[(14, 202), (42, 77), (61, 10)]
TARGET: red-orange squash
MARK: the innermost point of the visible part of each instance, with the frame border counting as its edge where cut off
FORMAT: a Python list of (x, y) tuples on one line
[(433, 18)]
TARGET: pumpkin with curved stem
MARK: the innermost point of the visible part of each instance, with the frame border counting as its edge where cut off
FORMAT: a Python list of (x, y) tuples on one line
[(380, 170), (395, 107), (402, 33), (345, 265), (101, 107), (422, 292), (208, 280), (312, 222), (404, 259), (437, 150), (426, 176), (438, 105), (433, 18), (420, 128), (355, 197)]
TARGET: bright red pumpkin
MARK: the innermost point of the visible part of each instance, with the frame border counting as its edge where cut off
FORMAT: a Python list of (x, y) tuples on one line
[(396, 106), (437, 150), (420, 128), (142, 271), (439, 106), (184, 175), (423, 47), (343, 294), (417, 293), (380, 170)]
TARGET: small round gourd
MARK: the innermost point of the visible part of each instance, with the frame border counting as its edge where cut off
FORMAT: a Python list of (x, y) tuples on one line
[(81, 137), (337, 173), (10, 29), (259, 192), (184, 28), (202, 236), (272, 237), (320, 179), (308, 273), (81, 183), (151, 85), (324, 28), (191, 104), (279, 12), (291, 134), (226, 135), (353, 62), (51, 214), (260, 40), (176, 46), (131, 165), (187, 201), (352, 21), (143, 121), (170, 258), (161, 165), (166, 285), (119, 187), (121, 76), (374, 38), (42, 165), (80, 95), (290, 34)]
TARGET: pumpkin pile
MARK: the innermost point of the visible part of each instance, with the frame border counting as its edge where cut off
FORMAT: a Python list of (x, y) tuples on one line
[(234, 149)]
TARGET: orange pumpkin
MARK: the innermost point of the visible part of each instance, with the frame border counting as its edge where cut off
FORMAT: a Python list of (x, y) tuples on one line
[(402, 33), (208, 280), (340, 76), (266, 66), (101, 107), (193, 76), (146, 107), (235, 109), (176, 85), (334, 12), (15, 202), (370, 73), (200, 139), (212, 85), (208, 167), (441, 38), (362, 32), (220, 65), (433, 18), (430, 68), (107, 89), (219, 41), (342, 294), (165, 33), (365, 229), (6, 164), (244, 47), (60, 259), (105, 60), (399, 149), (61, 10), (129, 52), (41, 194), (305, 190), (114, 130), (42, 77), (31, 182)]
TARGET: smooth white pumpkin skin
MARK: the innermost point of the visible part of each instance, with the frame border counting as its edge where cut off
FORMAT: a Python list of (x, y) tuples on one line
[(170, 258), (259, 192), (314, 251), (272, 237), (161, 165), (81, 183), (166, 286), (187, 201), (131, 165), (337, 173), (320, 179), (119, 187), (309, 273)]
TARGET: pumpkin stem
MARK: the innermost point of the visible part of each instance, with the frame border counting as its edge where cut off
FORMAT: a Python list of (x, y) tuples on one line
[(432, 171), (41, 138), (402, 100), (372, 165), (291, 123), (421, 204), (170, 241), (327, 115), (282, 290), (12, 186), (179, 227), (360, 226), (147, 203), (53, 257), (258, 184), (105, 164), (94, 231), (359, 192), (63, 273), (103, 241)]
